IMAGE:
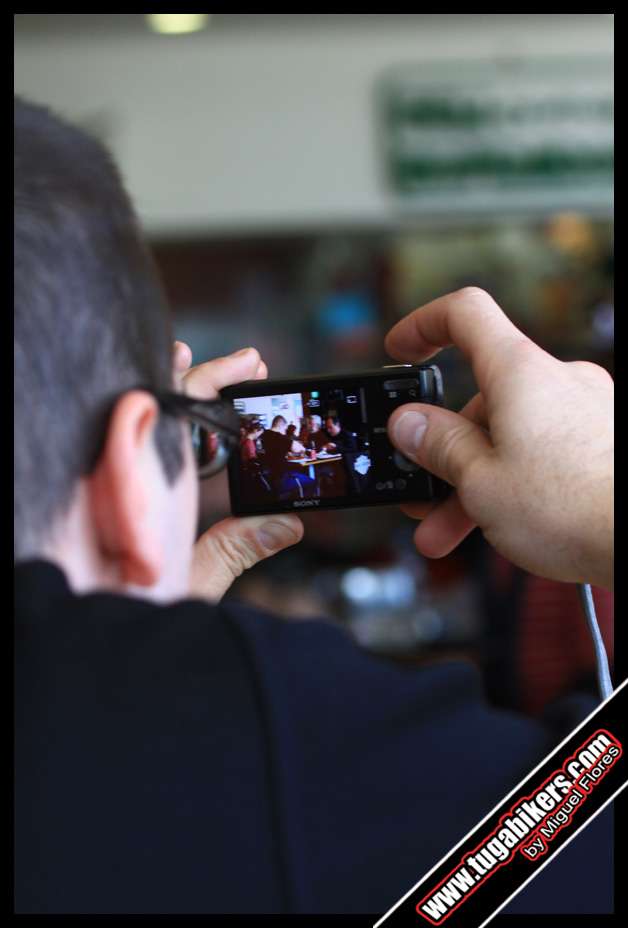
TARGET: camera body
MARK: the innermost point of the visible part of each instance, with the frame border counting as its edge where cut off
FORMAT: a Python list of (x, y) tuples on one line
[(321, 442)]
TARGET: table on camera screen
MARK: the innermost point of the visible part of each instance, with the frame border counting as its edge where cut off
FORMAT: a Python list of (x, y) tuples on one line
[(311, 464)]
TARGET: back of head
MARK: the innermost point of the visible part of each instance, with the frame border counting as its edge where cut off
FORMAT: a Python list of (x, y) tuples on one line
[(252, 428), (278, 423), (90, 317)]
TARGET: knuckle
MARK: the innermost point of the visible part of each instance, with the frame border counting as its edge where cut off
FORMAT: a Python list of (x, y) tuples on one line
[(472, 294), (254, 357), (239, 552), (592, 371), (445, 455)]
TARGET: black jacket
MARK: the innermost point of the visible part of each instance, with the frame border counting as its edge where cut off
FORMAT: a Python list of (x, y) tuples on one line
[(190, 759)]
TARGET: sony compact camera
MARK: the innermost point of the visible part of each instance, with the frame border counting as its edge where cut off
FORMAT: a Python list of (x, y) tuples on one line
[(321, 442)]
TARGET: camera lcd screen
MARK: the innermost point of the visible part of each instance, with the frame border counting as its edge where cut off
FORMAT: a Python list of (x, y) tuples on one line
[(324, 444)]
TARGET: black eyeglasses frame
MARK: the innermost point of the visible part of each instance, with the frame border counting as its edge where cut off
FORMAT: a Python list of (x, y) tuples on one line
[(217, 416)]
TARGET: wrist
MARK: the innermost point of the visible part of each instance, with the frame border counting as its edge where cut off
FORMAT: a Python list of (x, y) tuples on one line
[(600, 548)]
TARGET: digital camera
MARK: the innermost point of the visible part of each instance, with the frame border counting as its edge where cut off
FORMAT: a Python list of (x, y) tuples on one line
[(321, 442)]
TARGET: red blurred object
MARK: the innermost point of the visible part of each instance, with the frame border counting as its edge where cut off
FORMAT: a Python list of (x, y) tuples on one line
[(553, 648)]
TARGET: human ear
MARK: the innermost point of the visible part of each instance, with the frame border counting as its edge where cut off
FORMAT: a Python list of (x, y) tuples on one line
[(124, 491)]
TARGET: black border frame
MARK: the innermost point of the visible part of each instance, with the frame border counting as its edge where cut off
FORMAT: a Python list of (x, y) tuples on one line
[(438, 488)]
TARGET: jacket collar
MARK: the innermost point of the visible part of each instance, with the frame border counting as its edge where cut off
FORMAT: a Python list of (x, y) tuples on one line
[(37, 583)]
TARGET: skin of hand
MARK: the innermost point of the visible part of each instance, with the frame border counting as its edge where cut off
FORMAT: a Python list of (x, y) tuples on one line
[(233, 545), (531, 454)]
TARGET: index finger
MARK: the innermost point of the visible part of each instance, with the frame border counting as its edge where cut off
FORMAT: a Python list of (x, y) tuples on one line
[(182, 357), (206, 380), (181, 361), (470, 319)]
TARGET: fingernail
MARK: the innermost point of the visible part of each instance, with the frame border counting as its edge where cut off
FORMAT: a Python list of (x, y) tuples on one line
[(409, 430), (273, 535), (241, 351)]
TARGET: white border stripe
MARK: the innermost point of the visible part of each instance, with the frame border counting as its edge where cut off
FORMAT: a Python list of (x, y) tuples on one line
[(502, 801)]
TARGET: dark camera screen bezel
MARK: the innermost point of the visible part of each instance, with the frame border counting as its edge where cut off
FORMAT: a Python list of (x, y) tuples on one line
[(254, 388)]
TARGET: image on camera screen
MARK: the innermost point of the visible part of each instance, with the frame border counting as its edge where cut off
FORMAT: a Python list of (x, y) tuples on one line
[(320, 448)]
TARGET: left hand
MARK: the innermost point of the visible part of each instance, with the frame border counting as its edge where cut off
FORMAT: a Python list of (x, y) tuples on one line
[(233, 545)]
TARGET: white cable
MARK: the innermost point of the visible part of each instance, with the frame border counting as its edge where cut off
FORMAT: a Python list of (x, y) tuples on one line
[(604, 681)]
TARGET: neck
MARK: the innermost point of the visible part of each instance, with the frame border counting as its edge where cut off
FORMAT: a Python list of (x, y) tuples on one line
[(73, 547)]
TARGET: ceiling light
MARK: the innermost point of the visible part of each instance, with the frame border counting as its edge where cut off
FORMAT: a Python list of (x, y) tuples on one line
[(177, 23)]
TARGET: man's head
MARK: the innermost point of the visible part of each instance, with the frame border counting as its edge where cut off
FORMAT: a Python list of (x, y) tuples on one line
[(313, 423), (103, 483), (279, 424), (333, 426), (253, 429)]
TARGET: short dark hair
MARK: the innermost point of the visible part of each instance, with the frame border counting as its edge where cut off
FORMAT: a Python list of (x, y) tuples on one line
[(277, 420), (252, 425), (332, 418), (91, 320)]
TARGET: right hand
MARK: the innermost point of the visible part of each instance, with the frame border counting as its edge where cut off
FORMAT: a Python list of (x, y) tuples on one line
[(530, 456)]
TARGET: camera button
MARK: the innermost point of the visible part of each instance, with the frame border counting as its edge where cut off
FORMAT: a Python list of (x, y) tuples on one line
[(408, 383), (404, 463)]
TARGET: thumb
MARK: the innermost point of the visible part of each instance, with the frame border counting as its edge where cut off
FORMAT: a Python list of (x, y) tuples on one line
[(443, 442), (230, 547)]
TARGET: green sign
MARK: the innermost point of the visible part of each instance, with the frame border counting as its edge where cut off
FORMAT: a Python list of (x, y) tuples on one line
[(500, 136)]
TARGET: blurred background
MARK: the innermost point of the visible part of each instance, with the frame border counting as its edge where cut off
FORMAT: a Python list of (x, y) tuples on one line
[(307, 179)]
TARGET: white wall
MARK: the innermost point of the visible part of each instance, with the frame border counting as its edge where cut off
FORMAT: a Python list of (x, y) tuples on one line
[(243, 129), (263, 407)]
